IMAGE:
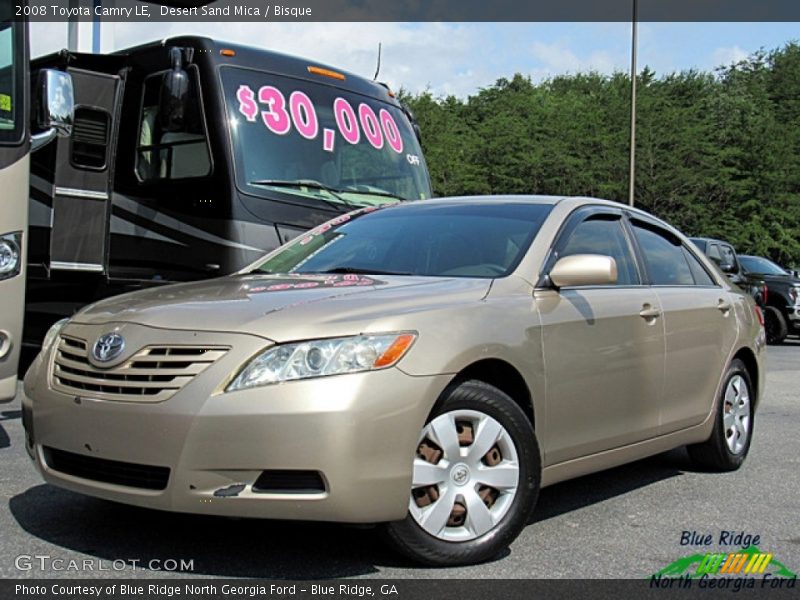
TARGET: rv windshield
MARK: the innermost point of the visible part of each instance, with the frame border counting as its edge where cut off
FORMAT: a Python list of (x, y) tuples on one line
[(319, 141)]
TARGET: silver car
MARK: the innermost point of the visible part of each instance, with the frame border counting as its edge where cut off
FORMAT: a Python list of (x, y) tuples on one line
[(426, 366)]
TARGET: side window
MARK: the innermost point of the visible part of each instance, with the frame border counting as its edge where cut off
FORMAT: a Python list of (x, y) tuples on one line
[(713, 253), (701, 276), (11, 69), (173, 154), (664, 254), (90, 137), (603, 235)]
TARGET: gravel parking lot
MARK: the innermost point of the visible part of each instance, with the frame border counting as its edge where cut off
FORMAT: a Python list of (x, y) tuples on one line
[(625, 522)]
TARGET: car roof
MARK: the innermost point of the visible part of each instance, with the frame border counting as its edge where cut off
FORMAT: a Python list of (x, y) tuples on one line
[(530, 199), (575, 201), (493, 199)]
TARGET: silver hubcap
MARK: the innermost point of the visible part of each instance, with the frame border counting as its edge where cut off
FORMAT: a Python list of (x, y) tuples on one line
[(736, 414), (466, 475)]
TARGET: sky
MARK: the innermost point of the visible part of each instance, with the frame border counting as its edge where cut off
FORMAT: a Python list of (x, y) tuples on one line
[(462, 58)]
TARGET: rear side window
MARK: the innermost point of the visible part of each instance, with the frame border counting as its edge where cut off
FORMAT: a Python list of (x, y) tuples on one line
[(664, 255), (701, 276), (604, 235)]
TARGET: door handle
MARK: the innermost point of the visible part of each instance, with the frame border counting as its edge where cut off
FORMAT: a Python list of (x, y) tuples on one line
[(723, 306), (649, 313)]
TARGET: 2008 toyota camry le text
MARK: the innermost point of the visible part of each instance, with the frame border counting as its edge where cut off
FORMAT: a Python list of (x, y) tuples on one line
[(426, 366)]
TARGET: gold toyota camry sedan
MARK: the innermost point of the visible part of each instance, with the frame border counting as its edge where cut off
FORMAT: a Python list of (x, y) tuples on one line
[(426, 366)]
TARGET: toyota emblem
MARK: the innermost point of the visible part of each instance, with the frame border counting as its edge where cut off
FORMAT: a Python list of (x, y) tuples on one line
[(108, 347)]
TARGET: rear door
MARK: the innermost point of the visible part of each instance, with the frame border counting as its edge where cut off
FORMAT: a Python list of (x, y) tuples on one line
[(83, 177), (603, 347), (699, 323)]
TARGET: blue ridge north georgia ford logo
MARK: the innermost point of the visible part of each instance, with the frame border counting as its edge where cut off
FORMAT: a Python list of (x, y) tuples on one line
[(108, 347)]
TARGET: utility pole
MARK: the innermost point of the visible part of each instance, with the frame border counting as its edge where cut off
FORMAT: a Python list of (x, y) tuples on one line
[(89, 36), (632, 172)]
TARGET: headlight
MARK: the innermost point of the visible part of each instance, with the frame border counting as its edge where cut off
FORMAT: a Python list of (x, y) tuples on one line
[(793, 294), (318, 358), (52, 334), (10, 262)]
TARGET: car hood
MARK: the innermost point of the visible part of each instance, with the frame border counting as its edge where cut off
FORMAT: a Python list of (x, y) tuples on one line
[(281, 307)]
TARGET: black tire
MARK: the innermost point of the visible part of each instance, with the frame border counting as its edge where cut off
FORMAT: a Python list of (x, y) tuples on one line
[(714, 454), (409, 538), (775, 325)]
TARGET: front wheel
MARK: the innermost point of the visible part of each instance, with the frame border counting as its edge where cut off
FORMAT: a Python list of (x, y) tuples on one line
[(475, 479), (730, 439)]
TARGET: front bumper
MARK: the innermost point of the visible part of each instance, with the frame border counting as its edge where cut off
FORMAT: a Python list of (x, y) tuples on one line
[(358, 431)]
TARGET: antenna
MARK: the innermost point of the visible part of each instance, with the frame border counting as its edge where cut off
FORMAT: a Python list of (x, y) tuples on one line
[(378, 69)]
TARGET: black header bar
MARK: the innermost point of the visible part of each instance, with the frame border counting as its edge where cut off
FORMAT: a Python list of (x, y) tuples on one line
[(407, 10)]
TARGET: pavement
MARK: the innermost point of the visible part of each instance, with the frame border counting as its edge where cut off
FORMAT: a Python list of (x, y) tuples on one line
[(621, 523)]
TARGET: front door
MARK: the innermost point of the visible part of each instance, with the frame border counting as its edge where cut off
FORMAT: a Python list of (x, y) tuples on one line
[(603, 349), (83, 177)]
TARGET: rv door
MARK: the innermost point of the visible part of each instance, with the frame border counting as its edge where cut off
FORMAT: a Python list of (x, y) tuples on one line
[(83, 176)]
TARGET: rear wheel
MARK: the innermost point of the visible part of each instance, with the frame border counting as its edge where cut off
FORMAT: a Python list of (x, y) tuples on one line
[(475, 479), (730, 439), (775, 325)]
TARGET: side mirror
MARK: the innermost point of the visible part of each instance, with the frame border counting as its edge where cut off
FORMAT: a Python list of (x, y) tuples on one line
[(413, 120), (54, 106), (584, 269), (174, 94), (728, 267)]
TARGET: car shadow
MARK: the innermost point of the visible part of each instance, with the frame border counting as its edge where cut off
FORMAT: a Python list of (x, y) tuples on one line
[(591, 489), (218, 546), (7, 415), (228, 547)]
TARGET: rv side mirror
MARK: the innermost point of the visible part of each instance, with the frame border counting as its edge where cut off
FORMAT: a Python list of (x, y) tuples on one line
[(413, 120), (54, 106), (174, 94)]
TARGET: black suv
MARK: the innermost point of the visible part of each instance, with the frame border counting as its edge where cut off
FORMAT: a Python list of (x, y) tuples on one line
[(724, 255), (782, 313)]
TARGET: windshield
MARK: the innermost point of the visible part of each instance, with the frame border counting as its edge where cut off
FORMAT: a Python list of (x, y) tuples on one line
[(321, 142), (762, 266), (427, 239), (10, 78)]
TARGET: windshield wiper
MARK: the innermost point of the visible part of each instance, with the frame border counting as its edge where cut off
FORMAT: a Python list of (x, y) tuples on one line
[(309, 183), (381, 193), (364, 271)]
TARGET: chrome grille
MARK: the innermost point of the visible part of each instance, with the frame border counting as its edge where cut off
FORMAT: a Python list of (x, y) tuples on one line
[(153, 374)]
